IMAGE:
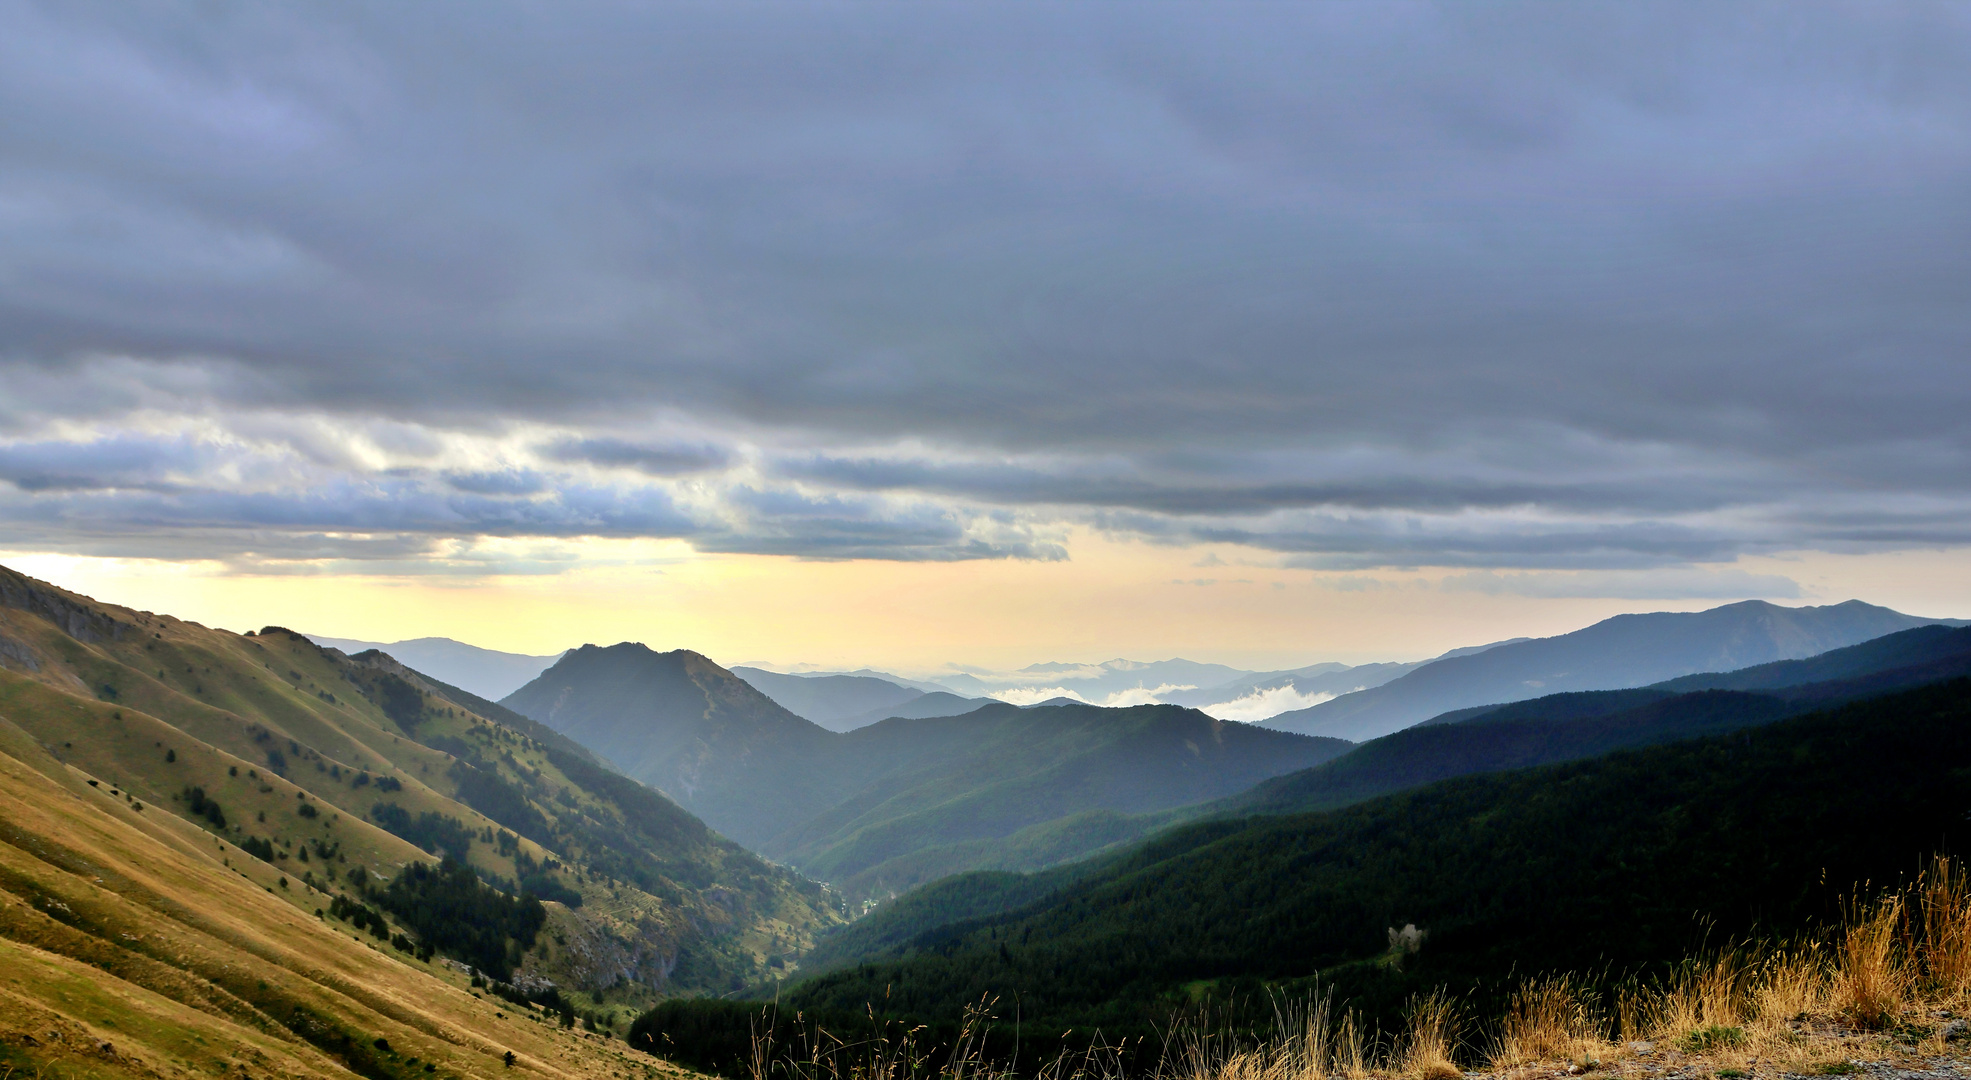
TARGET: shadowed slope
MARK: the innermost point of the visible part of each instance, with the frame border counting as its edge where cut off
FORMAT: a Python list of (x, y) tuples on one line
[(887, 806), (1578, 866)]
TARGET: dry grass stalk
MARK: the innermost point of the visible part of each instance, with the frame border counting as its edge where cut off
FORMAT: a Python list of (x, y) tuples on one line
[(1429, 1039), (1789, 984), (1351, 1054), (1944, 897), (1871, 979), (1703, 995), (1549, 1019), (1306, 1047)]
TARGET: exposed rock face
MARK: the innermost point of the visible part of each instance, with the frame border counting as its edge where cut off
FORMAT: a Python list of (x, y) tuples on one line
[(598, 955), (75, 618), (19, 652)]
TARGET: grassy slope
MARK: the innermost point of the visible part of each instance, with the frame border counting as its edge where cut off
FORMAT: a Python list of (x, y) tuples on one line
[(133, 943), (667, 904), (1620, 860)]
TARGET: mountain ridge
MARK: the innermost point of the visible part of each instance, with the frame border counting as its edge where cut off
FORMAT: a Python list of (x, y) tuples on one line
[(1616, 653), (875, 809)]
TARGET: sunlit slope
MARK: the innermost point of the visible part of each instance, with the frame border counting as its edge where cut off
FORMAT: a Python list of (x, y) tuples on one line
[(133, 943), (304, 749)]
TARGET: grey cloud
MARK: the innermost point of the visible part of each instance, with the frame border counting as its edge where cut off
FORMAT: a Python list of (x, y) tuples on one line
[(857, 527), (1367, 542), (1184, 495), (663, 460), (1178, 263), (502, 482), (125, 462), (1726, 584), (382, 506)]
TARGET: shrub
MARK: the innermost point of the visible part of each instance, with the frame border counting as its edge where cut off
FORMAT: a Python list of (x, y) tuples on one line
[(1713, 1037), (431, 831), (201, 806)]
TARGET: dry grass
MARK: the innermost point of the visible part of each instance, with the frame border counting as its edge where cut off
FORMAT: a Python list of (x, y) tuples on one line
[(1944, 911), (1550, 1019), (1430, 1038), (1871, 974)]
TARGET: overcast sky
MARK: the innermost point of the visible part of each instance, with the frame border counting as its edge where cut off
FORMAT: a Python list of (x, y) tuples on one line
[(1507, 290)]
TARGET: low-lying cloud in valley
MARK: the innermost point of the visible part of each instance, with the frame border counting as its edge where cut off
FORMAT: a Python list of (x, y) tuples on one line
[(1264, 704)]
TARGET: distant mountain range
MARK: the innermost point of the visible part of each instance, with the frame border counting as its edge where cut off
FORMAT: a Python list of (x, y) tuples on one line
[(847, 702), (1339, 700), (1625, 651), (1555, 728), (486, 672), (841, 701), (894, 803)]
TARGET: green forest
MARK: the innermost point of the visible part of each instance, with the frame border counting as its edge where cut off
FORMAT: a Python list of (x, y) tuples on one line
[(1614, 866)]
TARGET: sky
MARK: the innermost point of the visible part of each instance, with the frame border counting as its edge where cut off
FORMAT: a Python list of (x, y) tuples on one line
[(912, 335)]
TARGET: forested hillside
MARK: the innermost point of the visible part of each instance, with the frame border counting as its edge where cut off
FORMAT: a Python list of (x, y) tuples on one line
[(1599, 865)]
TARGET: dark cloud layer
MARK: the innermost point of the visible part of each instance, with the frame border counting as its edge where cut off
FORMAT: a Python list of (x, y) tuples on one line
[(1565, 286)]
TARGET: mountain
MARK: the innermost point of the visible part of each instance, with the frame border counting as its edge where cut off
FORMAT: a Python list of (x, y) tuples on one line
[(941, 795), (1269, 693), (1625, 651), (484, 672), (897, 802), (935, 703), (345, 774), (1555, 728), (141, 940), (929, 687), (1605, 865), (688, 727), (832, 701)]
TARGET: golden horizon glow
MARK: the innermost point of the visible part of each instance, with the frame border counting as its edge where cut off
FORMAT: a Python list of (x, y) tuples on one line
[(1112, 599)]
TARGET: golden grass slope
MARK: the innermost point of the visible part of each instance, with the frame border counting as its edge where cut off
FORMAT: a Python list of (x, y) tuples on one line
[(129, 947), (292, 741)]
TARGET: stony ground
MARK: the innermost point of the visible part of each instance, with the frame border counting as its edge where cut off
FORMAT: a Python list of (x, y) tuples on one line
[(1934, 1048)]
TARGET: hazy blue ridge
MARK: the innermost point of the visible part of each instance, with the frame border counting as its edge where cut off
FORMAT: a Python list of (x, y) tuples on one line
[(1617, 653), (901, 801)]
